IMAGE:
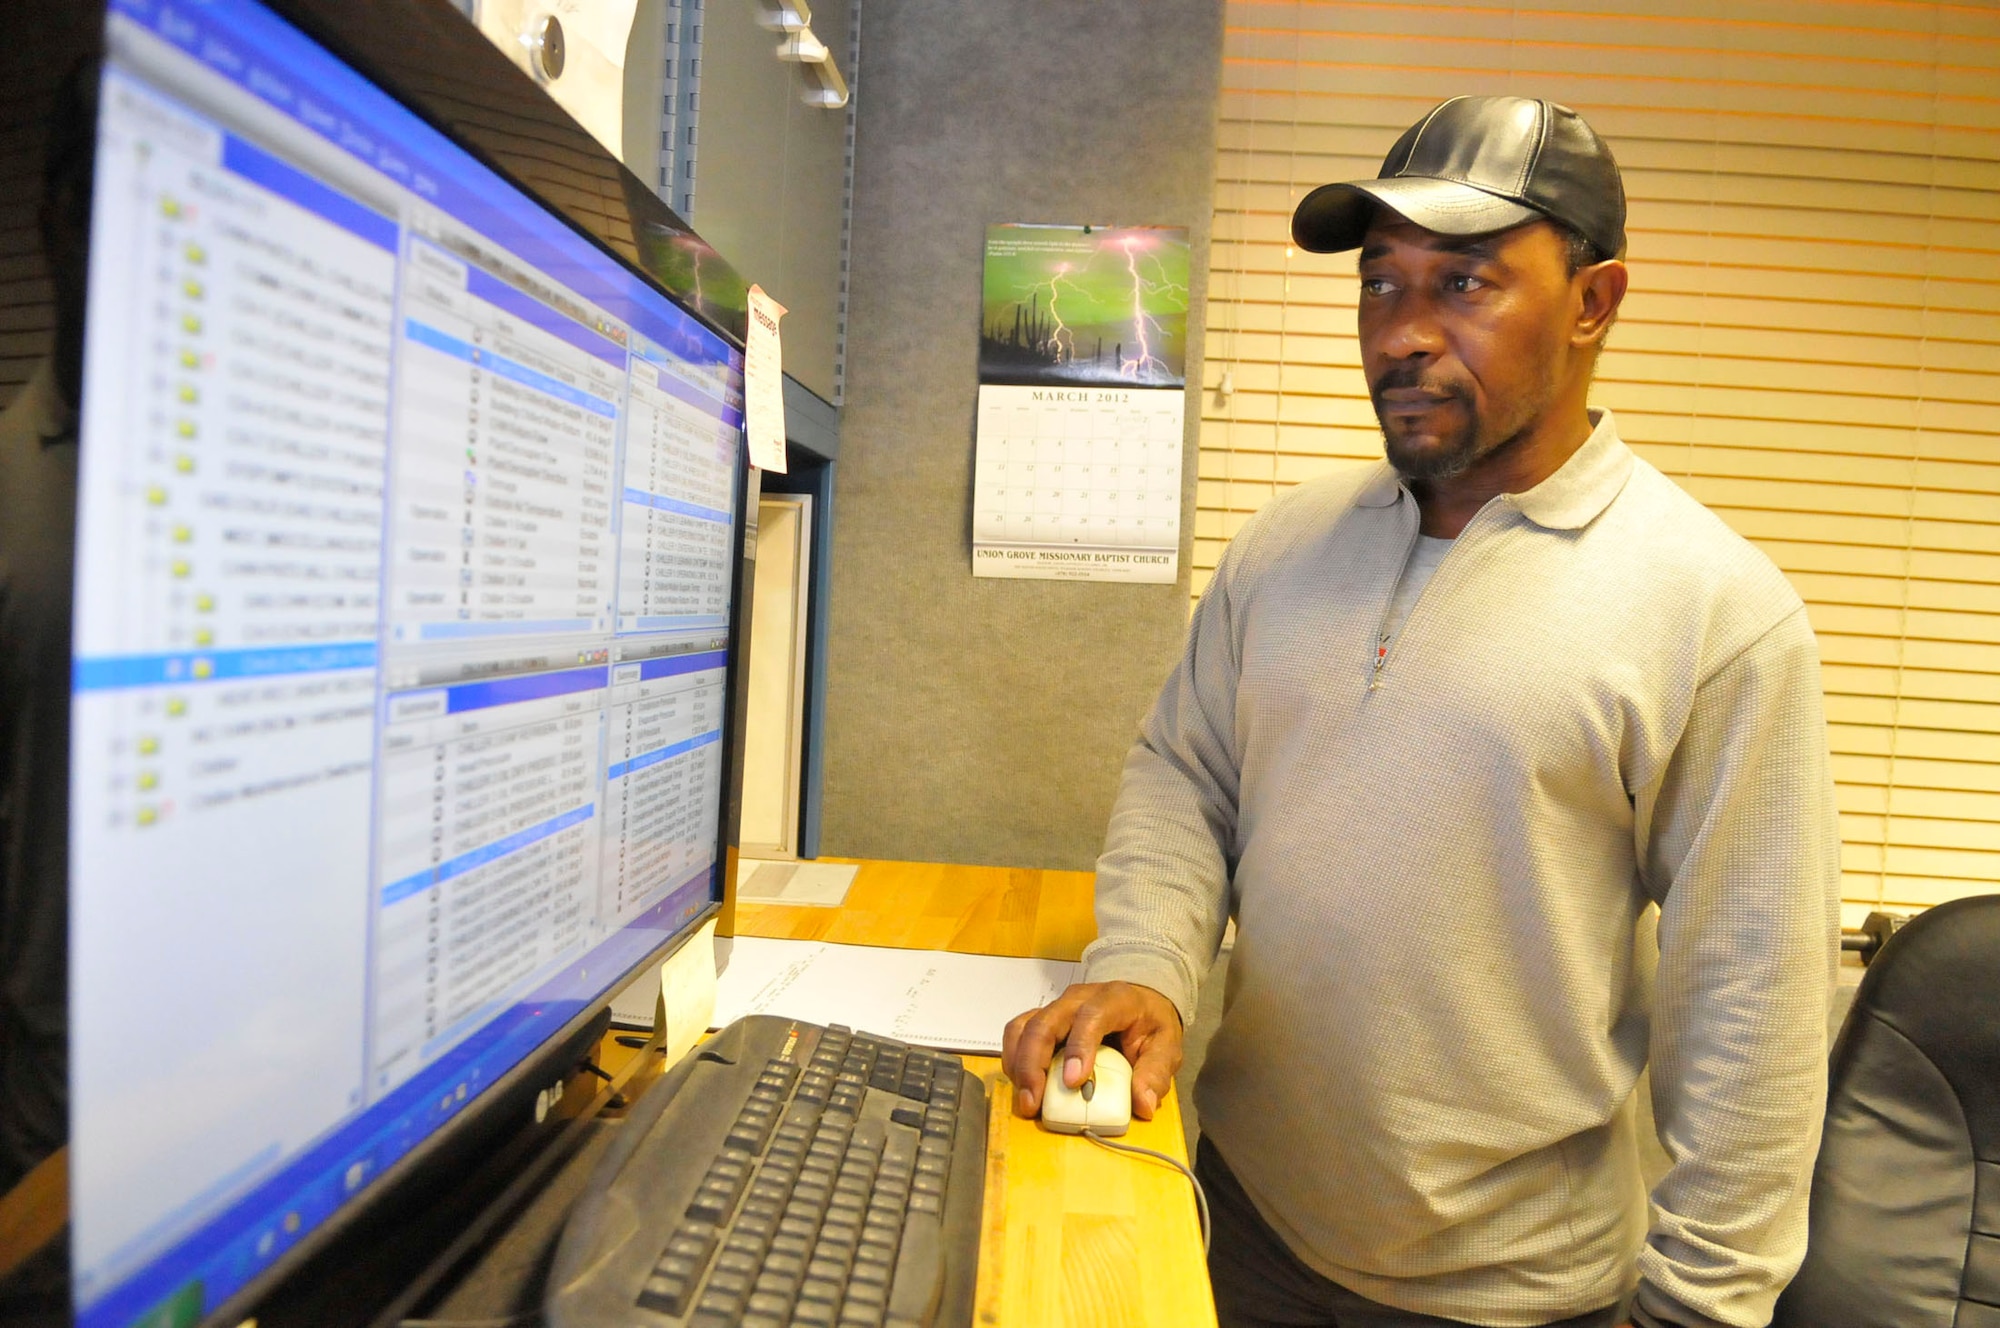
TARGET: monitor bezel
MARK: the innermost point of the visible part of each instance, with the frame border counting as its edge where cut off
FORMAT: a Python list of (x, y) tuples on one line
[(343, 28)]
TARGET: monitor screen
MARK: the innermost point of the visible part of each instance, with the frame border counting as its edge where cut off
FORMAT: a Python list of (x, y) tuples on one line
[(406, 525)]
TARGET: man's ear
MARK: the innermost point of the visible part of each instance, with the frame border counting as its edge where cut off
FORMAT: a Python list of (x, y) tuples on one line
[(1601, 291)]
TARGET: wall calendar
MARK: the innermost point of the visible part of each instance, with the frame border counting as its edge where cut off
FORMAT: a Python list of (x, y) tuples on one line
[(1082, 403)]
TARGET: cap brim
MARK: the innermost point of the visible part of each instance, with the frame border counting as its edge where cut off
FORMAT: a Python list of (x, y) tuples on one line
[(1334, 217)]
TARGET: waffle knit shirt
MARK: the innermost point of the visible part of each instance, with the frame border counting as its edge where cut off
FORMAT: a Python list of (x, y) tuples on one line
[(1439, 857)]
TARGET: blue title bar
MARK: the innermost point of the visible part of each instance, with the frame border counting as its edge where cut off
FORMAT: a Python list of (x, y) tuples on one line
[(681, 390), (260, 167), (675, 665), (530, 310), (512, 691)]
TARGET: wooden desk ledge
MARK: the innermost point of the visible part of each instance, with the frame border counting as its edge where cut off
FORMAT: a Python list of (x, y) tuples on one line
[(1077, 1236), (1021, 911)]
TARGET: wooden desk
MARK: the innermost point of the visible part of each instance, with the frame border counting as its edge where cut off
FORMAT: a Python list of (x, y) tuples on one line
[(1075, 1234)]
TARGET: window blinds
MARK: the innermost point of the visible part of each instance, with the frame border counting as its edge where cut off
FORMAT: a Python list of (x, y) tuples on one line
[(1811, 345)]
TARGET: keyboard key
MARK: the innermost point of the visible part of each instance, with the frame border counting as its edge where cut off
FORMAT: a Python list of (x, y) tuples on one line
[(737, 1261), (712, 1202), (764, 1302), (909, 1116), (668, 1295), (782, 1285), (715, 1313), (825, 1290), (732, 1284), (913, 1296), (694, 1240)]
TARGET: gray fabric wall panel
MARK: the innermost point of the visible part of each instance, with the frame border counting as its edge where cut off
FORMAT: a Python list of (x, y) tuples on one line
[(985, 721)]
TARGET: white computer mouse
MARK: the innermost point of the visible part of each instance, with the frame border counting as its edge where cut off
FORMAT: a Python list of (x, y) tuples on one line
[(1102, 1104)]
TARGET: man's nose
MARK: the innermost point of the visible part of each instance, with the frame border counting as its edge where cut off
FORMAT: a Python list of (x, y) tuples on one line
[(1410, 330)]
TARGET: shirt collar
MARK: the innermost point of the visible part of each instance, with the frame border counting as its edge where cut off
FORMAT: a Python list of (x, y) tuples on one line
[(1567, 500), (1573, 497)]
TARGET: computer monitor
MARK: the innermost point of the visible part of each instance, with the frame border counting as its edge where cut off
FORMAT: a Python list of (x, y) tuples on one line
[(407, 524)]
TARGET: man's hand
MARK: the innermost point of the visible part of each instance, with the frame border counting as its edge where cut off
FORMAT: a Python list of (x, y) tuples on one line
[(1148, 1029)]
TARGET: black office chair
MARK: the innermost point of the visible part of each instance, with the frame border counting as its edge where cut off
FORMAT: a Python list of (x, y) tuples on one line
[(1905, 1216)]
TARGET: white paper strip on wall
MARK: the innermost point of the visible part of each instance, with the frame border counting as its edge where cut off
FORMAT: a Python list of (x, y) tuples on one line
[(764, 383)]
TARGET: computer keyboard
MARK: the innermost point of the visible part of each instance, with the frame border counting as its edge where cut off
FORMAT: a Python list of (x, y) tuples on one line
[(785, 1174)]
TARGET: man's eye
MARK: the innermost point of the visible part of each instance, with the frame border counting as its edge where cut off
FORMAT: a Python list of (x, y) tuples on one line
[(1462, 283), (1374, 286)]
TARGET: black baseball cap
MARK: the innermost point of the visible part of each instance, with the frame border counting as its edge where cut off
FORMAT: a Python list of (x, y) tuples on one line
[(1475, 165)]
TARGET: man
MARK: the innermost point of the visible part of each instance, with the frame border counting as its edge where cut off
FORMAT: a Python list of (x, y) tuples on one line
[(1442, 731)]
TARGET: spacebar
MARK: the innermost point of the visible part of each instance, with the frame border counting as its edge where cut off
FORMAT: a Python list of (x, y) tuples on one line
[(913, 1299)]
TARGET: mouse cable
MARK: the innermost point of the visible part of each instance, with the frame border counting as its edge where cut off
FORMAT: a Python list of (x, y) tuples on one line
[(1200, 1198)]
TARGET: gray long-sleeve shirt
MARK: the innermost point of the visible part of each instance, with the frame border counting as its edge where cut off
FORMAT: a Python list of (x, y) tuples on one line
[(1438, 860)]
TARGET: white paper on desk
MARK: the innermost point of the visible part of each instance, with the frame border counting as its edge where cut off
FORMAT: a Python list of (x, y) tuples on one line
[(935, 998), (764, 383)]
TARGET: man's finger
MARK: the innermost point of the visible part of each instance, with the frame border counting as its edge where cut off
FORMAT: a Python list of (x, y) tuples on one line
[(1011, 1036), (1034, 1044), (1093, 1020), (1153, 1072)]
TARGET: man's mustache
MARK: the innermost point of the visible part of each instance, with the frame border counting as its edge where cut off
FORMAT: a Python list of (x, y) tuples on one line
[(1413, 376)]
